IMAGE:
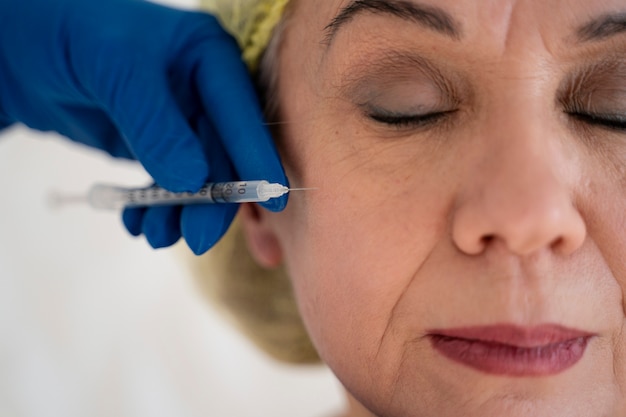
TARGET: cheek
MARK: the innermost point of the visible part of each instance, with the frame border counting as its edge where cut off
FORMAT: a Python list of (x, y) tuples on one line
[(603, 204), (352, 248), (604, 207), (347, 279)]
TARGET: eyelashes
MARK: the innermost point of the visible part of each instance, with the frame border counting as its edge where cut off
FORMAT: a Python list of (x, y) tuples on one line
[(408, 121), (610, 121)]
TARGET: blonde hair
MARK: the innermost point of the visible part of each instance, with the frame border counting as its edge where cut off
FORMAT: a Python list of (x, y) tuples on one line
[(260, 302), (251, 22)]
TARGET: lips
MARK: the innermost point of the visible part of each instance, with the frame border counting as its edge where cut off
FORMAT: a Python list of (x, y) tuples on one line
[(512, 350)]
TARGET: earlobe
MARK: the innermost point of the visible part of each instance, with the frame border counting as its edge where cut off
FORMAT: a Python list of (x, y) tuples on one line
[(263, 243)]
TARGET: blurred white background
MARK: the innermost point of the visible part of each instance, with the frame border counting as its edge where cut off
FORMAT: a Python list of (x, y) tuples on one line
[(95, 323)]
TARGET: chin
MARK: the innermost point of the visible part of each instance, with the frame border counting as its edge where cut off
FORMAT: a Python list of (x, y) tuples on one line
[(503, 406)]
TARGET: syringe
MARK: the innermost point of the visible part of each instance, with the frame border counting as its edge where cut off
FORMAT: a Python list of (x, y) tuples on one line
[(114, 197)]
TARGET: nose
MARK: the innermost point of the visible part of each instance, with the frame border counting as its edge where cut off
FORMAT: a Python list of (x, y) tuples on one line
[(518, 192)]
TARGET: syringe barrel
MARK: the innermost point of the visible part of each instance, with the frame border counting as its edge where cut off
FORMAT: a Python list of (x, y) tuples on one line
[(112, 197), (239, 192)]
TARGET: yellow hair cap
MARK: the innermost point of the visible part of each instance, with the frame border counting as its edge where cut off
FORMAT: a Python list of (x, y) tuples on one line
[(251, 22)]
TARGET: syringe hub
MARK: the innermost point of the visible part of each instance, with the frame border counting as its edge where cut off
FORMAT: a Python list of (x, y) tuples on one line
[(266, 190)]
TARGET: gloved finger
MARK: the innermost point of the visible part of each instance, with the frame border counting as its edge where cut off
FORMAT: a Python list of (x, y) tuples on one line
[(93, 127), (143, 108), (133, 220), (203, 225), (230, 100), (161, 226)]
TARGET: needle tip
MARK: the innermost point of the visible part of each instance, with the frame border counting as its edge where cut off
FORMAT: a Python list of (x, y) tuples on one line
[(302, 189)]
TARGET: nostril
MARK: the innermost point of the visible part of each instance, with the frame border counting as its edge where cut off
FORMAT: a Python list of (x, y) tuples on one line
[(558, 242), (476, 246), (566, 245)]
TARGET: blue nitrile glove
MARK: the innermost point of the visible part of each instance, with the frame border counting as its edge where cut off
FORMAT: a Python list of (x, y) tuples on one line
[(143, 81)]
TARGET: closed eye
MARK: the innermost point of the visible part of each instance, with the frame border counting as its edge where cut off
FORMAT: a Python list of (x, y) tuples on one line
[(609, 121), (402, 121)]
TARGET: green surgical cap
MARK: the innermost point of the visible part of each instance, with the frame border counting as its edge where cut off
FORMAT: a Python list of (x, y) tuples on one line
[(251, 22)]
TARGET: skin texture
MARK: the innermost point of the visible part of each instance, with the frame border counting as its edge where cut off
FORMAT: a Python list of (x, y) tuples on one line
[(508, 209)]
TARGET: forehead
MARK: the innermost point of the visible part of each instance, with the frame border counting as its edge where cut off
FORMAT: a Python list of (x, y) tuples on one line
[(501, 20)]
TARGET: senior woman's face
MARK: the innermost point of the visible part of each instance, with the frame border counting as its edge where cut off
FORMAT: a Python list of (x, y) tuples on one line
[(464, 253)]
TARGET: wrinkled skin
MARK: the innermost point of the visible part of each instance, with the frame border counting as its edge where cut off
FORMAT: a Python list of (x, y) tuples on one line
[(507, 208)]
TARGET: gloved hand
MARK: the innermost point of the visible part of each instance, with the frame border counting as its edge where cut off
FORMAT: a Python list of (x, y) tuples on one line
[(138, 80)]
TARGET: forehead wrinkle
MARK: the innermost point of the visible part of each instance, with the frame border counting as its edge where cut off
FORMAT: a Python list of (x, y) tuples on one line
[(519, 29)]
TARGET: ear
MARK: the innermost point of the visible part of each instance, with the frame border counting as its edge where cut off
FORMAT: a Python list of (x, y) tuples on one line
[(262, 242)]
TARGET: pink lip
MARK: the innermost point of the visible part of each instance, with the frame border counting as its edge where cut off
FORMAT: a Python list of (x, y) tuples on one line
[(512, 350)]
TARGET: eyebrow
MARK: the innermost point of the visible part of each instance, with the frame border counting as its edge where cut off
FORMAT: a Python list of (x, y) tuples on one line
[(603, 27), (430, 17)]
